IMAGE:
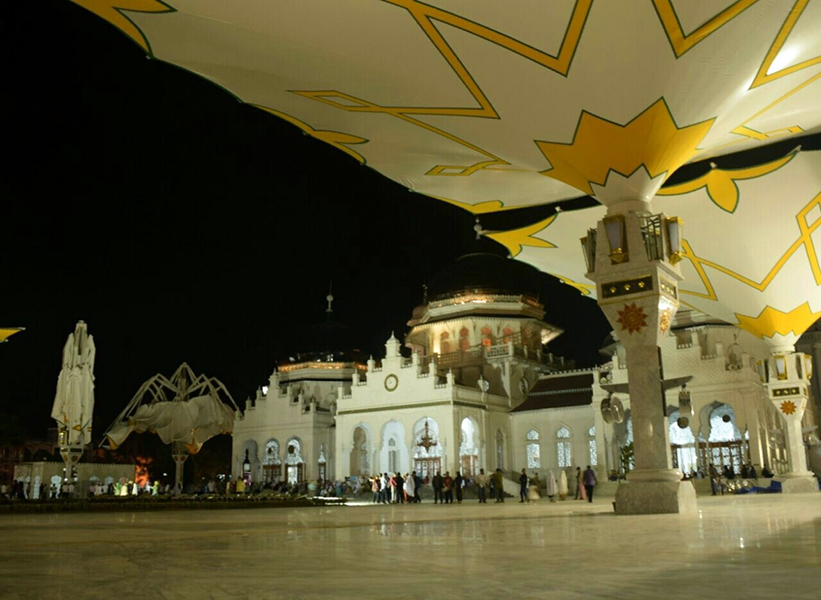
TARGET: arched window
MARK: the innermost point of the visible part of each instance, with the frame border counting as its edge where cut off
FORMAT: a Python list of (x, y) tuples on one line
[(444, 343), (294, 452), (487, 338), (464, 340), (393, 456), (272, 456), (563, 452), (534, 460), (591, 443)]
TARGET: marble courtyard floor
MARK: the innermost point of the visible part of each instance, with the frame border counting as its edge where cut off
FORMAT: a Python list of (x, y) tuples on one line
[(752, 546)]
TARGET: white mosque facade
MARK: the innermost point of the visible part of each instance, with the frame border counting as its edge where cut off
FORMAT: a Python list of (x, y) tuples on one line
[(473, 385)]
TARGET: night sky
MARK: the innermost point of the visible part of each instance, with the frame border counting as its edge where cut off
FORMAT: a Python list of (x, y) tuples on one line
[(182, 225)]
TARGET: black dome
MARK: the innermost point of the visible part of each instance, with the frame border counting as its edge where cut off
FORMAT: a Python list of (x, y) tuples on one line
[(326, 341), (484, 272)]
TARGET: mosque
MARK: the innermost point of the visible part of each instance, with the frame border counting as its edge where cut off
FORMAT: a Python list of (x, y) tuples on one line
[(474, 385)]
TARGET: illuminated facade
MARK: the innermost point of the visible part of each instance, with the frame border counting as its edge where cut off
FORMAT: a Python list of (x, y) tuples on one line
[(477, 388)]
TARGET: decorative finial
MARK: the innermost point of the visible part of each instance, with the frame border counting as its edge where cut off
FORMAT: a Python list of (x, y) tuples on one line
[(478, 228), (330, 297)]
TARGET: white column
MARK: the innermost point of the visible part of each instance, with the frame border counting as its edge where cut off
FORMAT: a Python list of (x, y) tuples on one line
[(788, 382), (637, 289)]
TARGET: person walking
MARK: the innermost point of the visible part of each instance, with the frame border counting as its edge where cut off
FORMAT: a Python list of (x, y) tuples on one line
[(410, 488), (458, 482), (375, 488), (392, 483), (589, 479), (498, 485), (713, 479), (385, 485), (400, 489), (481, 486), (437, 488), (523, 487), (579, 484), (417, 488), (447, 485)]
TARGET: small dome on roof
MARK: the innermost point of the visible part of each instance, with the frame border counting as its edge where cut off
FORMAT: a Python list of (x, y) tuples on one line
[(484, 272)]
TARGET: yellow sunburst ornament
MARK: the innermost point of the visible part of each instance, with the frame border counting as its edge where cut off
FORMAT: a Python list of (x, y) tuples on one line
[(632, 318), (788, 407), (665, 319)]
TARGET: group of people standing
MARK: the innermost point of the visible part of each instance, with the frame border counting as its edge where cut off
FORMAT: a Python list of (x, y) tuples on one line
[(395, 489)]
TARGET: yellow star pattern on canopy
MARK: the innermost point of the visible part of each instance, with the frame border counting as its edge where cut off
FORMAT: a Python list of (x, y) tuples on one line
[(651, 139)]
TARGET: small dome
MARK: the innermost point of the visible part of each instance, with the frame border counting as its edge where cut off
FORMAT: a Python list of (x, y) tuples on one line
[(484, 272)]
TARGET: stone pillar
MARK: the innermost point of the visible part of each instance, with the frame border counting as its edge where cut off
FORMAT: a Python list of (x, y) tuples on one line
[(601, 445), (637, 288), (788, 381), (180, 454)]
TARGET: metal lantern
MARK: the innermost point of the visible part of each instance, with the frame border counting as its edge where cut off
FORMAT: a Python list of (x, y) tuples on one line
[(674, 252), (685, 405), (589, 250), (614, 227), (683, 422), (780, 366), (612, 410)]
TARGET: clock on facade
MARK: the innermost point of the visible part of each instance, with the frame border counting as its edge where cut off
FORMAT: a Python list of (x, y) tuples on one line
[(391, 382)]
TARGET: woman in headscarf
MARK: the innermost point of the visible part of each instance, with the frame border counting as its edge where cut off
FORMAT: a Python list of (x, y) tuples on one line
[(410, 488), (563, 485)]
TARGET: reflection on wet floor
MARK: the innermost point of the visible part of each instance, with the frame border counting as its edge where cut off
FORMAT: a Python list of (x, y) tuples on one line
[(573, 550)]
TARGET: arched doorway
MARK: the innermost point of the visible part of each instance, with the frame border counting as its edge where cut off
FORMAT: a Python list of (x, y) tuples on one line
[(272, 462), (393, 455), (294, 462), (725, 444), (682, 445), (251, 449), (427, 451), (360, 452), (469, 447)]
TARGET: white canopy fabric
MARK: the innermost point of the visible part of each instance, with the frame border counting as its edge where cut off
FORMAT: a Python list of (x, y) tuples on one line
[(492, 106), (73, 407), (506, 104), (193, 422)]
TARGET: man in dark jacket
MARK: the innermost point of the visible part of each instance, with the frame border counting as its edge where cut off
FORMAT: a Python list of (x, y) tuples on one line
[(437, 488), (589, 479), (523, 487), (417, 481)]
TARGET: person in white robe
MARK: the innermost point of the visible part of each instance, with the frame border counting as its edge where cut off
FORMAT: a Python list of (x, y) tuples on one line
[(563, 485)]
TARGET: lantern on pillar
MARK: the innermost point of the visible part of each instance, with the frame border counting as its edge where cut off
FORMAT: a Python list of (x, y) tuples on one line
[(614, 228), (673, 227), (589, 250)]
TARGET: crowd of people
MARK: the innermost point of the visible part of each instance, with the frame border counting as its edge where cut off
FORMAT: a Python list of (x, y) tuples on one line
[(396, 488), (719, 478), (386, 488)]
